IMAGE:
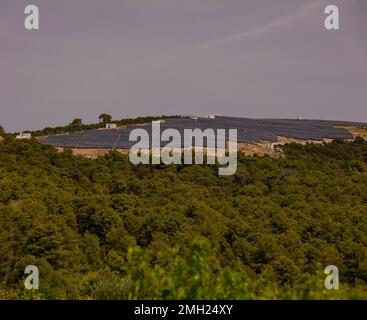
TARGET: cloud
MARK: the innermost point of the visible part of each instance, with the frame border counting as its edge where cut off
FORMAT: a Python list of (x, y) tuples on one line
[(282, 22)]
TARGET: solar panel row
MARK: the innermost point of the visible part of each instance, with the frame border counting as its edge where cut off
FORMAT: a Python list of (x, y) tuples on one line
[(248, 130)]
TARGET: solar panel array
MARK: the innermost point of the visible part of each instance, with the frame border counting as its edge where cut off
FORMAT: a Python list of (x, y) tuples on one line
[(248, 131)]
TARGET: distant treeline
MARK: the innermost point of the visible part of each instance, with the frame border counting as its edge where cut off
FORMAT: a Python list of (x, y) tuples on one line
[(77, 125)]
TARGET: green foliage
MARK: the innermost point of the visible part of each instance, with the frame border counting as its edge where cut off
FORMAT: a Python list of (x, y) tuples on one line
[(77, 124), (105, 118), (105, 229), (198, 274)]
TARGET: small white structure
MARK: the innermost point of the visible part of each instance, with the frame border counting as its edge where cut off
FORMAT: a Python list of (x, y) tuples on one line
[(23, 135), (111, 126), (212, 116)]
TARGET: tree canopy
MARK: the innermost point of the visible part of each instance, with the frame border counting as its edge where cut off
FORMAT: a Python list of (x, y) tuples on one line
[(106, 229), (76, 122), (105, 118)]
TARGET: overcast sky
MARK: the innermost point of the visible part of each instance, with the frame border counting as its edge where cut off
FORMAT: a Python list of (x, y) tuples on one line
[(252, 58)]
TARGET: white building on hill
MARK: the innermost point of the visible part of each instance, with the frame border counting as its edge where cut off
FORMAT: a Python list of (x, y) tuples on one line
[(212, 116), (111, 126), (23, 135)]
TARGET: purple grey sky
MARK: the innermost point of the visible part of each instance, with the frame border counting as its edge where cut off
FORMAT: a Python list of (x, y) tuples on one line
[(252, 58)]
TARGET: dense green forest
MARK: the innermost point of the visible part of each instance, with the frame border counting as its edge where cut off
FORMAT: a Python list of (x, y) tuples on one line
[(105, 229)]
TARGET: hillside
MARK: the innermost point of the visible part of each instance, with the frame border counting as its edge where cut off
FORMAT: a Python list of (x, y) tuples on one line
[(104, 229)]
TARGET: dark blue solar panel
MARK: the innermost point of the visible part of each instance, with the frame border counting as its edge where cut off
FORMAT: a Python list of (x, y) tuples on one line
[(248, 130)]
